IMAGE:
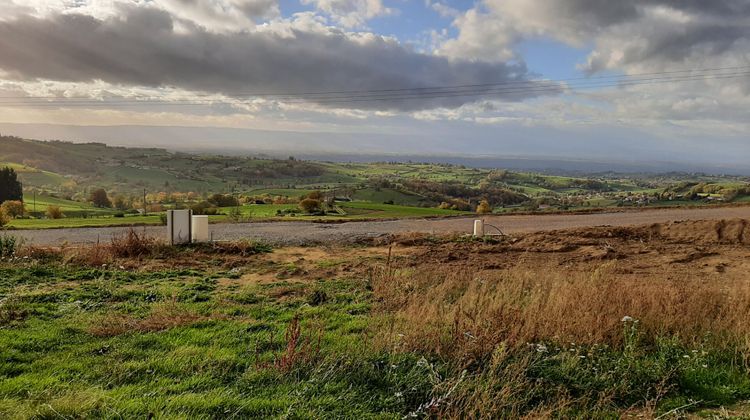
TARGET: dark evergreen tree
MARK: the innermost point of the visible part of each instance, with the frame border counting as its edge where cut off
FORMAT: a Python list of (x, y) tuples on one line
[(10, 187)]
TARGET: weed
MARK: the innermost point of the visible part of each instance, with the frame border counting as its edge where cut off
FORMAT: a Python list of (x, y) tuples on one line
[(317, 297), (133, 245), (8, 246), (299, 350)]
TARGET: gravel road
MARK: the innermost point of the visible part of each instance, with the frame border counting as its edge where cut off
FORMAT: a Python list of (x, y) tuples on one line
[(297, 233)]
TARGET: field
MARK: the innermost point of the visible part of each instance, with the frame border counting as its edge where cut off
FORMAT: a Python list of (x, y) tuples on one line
[(378, 190), (593, 323), (250, 212)]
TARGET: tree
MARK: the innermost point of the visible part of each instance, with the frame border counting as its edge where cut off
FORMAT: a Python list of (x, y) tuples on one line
[(10, 187), (13, 208), (120, 203), (99, 198), (223, 200), (309, 205), (315, 195), (484, 207), (54, 212)]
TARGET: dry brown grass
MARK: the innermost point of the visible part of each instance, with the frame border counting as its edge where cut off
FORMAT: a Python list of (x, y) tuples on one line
[(131, 244), (464, 315), (163, 316)]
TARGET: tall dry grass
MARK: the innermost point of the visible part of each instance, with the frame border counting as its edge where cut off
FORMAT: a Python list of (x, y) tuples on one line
[(465, 315)]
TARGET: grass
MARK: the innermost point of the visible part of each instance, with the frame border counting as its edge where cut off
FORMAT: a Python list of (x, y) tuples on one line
[(43, 201), (134, 329), (386, 194), (375, 210), (34, 177), (85, 222), (250, 212)]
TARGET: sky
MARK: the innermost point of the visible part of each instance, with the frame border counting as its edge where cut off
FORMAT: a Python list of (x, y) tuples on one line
[(633, 80)]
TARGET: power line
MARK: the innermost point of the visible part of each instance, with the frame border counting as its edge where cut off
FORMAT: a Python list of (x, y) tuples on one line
[(521, 87), (419, 89)]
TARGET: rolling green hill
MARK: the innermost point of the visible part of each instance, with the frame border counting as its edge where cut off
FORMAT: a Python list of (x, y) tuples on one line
[(54, 169)]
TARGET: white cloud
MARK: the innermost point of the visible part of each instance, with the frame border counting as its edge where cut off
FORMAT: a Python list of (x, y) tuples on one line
[(351, 13)]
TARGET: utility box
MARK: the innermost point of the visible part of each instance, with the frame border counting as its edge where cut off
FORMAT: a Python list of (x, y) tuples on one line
[(478, 228), (200, 229), (179, 226)]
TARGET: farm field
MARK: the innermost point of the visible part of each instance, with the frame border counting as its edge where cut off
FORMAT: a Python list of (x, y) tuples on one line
[(250, 212), (156, 179), (567, 322)]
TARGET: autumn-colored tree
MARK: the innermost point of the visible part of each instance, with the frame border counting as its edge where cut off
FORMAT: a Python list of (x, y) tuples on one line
[(13, 208), (309, 205), (120, 203), (54, 212), (99, 198), (484, 207), (315, 195)]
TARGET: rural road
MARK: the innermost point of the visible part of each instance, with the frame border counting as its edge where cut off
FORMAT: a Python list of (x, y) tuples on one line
[(297, 233)]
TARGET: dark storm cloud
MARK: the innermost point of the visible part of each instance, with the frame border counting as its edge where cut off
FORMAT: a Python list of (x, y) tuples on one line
[(654, 33), (141, 47)]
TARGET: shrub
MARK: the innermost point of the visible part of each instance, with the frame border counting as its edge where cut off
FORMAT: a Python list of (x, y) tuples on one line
[(4, 219), (8, 246), (223, 200), (54, 212), (13, 208), (119, 214), (235, 214), (132, 245), (309, 205), (204, 207), (484, 207)]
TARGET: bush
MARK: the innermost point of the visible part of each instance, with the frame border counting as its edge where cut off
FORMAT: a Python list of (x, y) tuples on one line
[(484, 207), (119, 214), (223, 200), (54, 212), (4, 219), (8, 246), (309, 205), (204, 208), (133, 245), (13, 208), (235, 214)]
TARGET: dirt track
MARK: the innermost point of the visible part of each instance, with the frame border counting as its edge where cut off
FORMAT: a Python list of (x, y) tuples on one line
[(296, 233)]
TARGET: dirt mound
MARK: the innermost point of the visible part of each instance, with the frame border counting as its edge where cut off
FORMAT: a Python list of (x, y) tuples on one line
[(572, 239), (734, 231)]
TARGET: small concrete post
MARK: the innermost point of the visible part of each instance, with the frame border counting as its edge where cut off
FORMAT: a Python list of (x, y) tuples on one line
[(478, 228)]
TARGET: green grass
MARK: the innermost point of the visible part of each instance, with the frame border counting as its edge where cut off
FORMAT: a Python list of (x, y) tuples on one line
[(284, 192), (387, 194), (85, 222), (30, 176), (43, 202), (78, 342), (375, 210)]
